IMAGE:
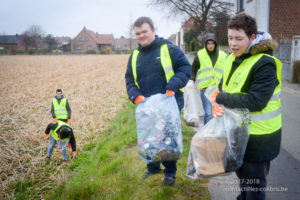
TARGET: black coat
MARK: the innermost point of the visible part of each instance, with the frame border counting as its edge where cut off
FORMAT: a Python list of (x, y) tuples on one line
[(259, 87)]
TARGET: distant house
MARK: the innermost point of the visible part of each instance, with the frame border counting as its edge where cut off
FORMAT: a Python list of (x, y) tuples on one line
[(87, 41), (125, 44), (63, 43), (186, 26), (281, 20), (11, 44), (172, 38)]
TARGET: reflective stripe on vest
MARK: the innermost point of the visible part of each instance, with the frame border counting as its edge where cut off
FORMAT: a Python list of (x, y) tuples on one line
[(60, 109), (208, 74), (54, 132), (267, 120), (165, 60)]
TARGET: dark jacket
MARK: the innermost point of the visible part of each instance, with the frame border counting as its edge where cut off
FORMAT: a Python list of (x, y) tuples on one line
[(52, 126), (151, 75), (213, 56), (259, 87), (67, 107)]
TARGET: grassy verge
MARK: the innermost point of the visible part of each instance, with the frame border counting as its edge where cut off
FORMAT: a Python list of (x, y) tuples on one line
[(112, 169)]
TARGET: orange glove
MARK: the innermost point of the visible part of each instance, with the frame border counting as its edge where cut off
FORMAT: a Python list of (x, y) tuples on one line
[(74, 155), (54, 120), (217, 110), (47, 136), (170, 93), (214, 96), (139, 99), (69, 121)]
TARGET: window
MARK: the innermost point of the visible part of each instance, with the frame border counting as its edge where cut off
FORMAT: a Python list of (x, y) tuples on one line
[(81, 38), (240, 6), (77, 47), (89, 47)]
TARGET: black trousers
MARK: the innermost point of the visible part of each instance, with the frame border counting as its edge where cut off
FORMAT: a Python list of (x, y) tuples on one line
[(170, 167), (253, 180)]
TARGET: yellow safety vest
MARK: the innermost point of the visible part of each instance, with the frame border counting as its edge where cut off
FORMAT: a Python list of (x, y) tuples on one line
[(54, 132), (60, 109), (208, 74), (165, 60), (267, 120)]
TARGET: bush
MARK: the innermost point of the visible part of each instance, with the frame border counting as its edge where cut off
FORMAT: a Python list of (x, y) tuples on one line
[(93, 51)]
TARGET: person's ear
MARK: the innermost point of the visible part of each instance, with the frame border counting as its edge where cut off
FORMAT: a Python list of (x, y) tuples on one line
[(253, 36)]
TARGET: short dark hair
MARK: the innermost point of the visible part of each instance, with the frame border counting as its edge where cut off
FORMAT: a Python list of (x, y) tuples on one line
[(141, 20), (65, 132), (245, 22), (58, 90)]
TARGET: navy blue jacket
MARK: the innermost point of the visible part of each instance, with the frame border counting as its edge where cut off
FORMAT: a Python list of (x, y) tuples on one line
[(151, 75)]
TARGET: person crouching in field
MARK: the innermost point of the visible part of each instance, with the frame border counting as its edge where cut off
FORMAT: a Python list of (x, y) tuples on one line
[(61, 133)]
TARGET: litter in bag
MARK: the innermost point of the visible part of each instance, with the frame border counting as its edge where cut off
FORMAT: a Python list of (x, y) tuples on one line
[(159, 129), (192, 109), (219, 147)]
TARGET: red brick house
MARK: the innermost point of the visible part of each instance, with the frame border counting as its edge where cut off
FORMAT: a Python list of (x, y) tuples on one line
[(11, 44), (281, 19), (88, 41)]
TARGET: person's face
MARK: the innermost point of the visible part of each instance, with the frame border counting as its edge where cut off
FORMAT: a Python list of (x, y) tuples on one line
[(210, 45), (58, 94), (144, 34), (238, 41)]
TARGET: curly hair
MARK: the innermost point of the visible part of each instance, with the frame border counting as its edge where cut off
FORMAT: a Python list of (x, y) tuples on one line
[(244, 22)]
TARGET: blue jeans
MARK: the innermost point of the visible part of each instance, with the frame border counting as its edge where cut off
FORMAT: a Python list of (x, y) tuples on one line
[(62, 144), (170, 167), (253, 180), (207, 107)]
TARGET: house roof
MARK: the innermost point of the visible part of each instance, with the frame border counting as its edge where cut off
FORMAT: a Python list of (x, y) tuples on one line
[(9, 39), (101, 38), (63, 40), (172, 37), (189, 23)]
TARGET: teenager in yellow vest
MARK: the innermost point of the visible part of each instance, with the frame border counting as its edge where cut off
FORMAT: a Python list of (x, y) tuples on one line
[(157, 66), (207, 70), (252, 80), (60, 108)]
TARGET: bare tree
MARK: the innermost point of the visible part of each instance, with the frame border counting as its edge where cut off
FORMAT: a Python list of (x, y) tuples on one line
[(200, 10), (32, 38)]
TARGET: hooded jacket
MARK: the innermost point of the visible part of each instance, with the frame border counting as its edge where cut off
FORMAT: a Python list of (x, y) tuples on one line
[(151, 75), (258, 88), (213, 55)]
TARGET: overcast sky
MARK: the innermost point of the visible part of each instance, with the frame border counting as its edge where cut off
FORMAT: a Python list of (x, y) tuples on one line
[(68, 17)]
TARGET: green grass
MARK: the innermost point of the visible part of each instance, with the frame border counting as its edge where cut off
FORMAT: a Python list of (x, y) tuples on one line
[(112, 169)]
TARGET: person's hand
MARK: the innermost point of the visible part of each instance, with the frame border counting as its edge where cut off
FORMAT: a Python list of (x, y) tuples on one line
[(190, 84), (217, 110), (69, 121), (74, 155), (139, 99), (170, 93), (213, 96), (69, 144), (54, 120), (47, 136)]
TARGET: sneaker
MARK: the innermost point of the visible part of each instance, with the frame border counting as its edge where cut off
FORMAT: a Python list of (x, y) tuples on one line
[(147, 174), (169, 180)]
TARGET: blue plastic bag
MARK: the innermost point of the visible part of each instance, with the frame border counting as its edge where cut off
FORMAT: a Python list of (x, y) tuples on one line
[(159, 129)]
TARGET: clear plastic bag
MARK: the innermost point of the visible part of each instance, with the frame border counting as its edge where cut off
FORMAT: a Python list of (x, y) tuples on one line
[(219, 147), (159, 129), (192, 109)]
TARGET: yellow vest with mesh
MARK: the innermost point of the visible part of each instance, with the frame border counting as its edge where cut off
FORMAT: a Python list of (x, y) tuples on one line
[(267, 120), (60, 109), (165, 60), (54, 132), (208, 74)]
